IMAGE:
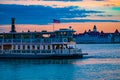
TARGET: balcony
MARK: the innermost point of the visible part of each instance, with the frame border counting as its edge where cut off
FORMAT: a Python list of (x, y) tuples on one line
[(7, 40), (46, 40)]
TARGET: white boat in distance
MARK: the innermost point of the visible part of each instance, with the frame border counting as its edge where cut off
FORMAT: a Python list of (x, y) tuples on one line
[(58, 44)]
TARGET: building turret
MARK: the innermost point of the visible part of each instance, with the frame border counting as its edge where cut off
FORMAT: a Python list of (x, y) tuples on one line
[(85, 32), (102, 32), (89, 30), (95, 28), (116, 31), (13, 25)]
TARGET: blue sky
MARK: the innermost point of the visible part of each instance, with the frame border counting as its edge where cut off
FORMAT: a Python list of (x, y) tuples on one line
[(33, 14), (44, 12)]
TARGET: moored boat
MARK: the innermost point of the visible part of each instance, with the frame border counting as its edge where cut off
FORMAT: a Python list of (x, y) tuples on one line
[(58, 44)]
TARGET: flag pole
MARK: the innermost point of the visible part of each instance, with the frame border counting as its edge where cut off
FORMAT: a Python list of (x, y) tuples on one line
[(53, 26), (55, 21)]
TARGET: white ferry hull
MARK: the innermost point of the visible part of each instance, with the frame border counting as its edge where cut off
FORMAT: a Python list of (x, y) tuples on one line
[(41, 56)]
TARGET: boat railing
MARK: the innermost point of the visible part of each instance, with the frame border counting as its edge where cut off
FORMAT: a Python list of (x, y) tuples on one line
[(1, 40), (47, 40), (53, 51), (7, 40), (25, 40), (16, 40), (5, 51)]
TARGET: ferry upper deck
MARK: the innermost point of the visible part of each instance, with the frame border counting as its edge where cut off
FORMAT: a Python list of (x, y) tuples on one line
[(26, 42)]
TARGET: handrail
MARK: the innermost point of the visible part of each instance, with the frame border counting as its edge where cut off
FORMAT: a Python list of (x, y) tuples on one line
[(48, 40), (54, 51)]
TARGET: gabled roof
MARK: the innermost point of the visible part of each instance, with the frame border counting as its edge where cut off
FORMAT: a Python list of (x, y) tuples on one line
[(116, 31)]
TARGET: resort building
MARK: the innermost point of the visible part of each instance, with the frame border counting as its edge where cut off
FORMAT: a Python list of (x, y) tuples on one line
[(95, 36)]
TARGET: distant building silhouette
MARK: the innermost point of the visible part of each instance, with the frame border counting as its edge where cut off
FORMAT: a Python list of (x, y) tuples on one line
[(116, 36), (95, 36), (95, 28)]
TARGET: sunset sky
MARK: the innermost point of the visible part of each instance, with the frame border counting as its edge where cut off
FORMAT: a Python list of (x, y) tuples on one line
[(80, 14)]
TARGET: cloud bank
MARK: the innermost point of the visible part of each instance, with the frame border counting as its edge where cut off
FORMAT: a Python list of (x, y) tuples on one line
[(39, 14)]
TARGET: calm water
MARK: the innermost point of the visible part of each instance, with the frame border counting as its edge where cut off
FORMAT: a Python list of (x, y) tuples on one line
[(102, 63)]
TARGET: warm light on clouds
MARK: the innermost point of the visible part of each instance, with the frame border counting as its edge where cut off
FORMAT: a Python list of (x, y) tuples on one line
[(84, 3), (104, 13)]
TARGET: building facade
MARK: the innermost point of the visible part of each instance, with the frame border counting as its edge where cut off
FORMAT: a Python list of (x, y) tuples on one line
[(94, 36)]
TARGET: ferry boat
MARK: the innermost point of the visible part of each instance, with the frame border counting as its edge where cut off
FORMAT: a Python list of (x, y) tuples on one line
[(58, 44)]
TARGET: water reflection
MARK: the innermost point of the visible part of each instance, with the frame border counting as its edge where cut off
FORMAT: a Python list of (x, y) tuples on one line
[(102, 63), (37, 61), (37, 69), (92, 61)]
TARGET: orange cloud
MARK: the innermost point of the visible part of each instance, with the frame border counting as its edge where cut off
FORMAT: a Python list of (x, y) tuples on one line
[(85, 3)]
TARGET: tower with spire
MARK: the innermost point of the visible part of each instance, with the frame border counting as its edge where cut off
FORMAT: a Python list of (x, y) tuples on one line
[(95, 28)]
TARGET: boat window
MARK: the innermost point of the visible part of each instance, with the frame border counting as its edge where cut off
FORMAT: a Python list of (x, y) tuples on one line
[(37, 35), (23, 47), (46, 35), (48, 47), (7, 36), (1, 36), (66, 46), (53, 46), (18, 46), (28, 46), (7, 47), (25, 36), (44, 47), (16, 36), (0, 47), (38, 47), (14, 47), (65, 33), (33, 47), (61, 33)]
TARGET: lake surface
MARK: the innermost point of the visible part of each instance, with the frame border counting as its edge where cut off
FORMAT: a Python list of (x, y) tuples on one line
[(102, 63)]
